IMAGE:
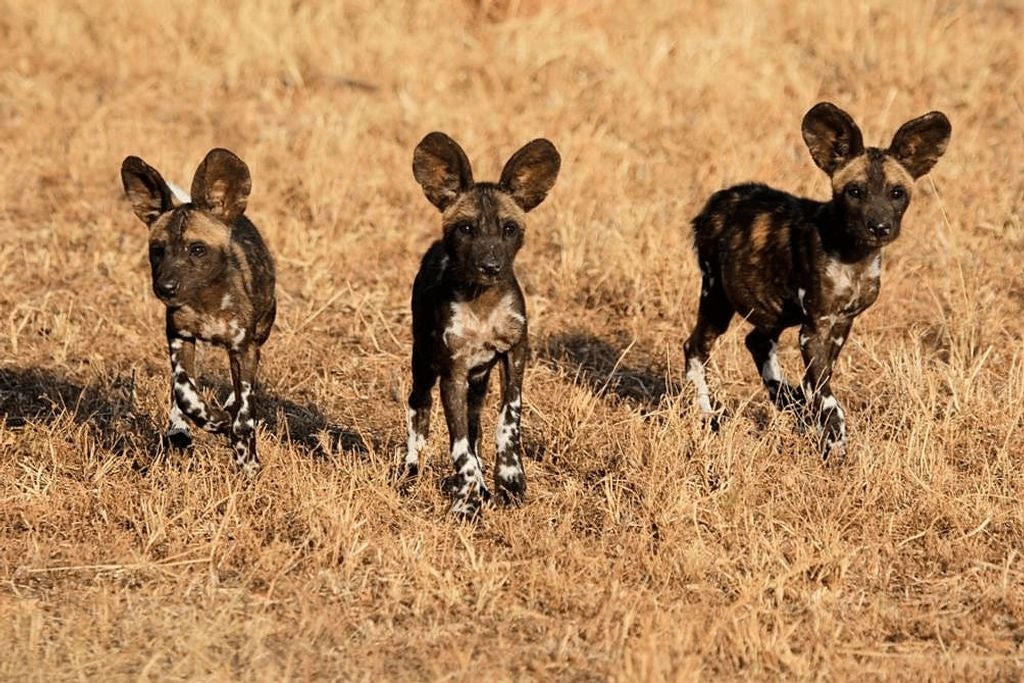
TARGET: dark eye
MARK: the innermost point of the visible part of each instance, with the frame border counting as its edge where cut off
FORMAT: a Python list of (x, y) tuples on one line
[(510, 228), (465, 228), (156, 252), (197, 249), (897, 192), (854, 191)]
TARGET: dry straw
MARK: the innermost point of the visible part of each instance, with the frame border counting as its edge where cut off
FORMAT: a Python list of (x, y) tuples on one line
[(649, 549)]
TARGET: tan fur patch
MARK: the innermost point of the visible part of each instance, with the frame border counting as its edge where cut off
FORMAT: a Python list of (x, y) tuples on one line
[(201, 228), (465, 208), (895, 174), (507, 208), (243, 266), (855, 170), (158, 231), (760, 230)]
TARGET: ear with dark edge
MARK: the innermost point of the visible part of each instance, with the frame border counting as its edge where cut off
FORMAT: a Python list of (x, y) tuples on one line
[(832, 136), (442, 169), (221, 185), (148, 193), (531, 172), (919, 143)]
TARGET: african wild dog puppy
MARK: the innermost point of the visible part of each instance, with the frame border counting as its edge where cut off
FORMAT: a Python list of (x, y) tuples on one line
[(468, 312), (214, 273), (779, 260)]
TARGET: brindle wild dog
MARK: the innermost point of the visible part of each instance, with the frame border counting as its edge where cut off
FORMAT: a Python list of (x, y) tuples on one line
[(216, 277), (779, 260), (468, 312)]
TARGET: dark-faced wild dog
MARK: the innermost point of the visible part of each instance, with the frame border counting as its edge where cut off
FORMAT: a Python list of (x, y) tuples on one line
[(468, 312), (214, 274), (780, 261)]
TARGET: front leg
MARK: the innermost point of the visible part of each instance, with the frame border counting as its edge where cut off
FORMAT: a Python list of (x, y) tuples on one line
[(244, 363), (509, 476), (185, 398), (466, 485), (820, 345), (763, 345)]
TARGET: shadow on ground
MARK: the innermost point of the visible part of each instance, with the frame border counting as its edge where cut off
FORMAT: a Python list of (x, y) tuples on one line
[(34, 395), (603, 368)]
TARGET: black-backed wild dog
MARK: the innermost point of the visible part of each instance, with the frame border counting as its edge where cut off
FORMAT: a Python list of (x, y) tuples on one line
[(215, 275), (468, 312), (779, 260)]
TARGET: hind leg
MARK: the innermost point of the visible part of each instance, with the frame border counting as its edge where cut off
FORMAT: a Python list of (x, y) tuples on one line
[(418, 415), (713, 316), (763, 346)]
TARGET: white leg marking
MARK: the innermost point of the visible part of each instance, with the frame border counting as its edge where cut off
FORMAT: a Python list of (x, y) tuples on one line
[(509, 472), (416, 440), (771, 371), (800, 294), (244, 418), (189, 399), (695, 373), (472, 480), (506, 427)]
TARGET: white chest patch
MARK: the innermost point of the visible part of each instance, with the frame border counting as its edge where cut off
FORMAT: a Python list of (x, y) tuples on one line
[(475, 337), (842, 277), (221, 331), (852, 287)]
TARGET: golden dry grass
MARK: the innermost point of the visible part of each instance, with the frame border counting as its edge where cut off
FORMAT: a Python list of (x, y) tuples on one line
[(649, 549)]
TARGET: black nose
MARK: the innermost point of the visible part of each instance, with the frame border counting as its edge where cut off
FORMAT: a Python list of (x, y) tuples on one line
[(881, 228), (167, 288), (490, 267)]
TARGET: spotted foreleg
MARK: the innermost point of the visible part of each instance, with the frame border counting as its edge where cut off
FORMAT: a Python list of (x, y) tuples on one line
[(763, 346), (185, 398), (466, 485), (820, 345), (244, 363), (509, 475)]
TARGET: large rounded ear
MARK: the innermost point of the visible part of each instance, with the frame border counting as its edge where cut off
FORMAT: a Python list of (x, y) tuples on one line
[(148, 193), (919, 143), (832, 136), (531, 172), (221, 185), (442, 169)]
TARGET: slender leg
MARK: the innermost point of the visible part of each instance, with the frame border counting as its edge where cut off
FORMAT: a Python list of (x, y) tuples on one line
[(177, 434), (244, 363), (509, 475), (418, 416), (763, 346), (820, 344), (185, 398), (713, 316), (479, 379), (466, 485)]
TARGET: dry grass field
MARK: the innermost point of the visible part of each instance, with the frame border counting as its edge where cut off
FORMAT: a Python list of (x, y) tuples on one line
[(649, 548)]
